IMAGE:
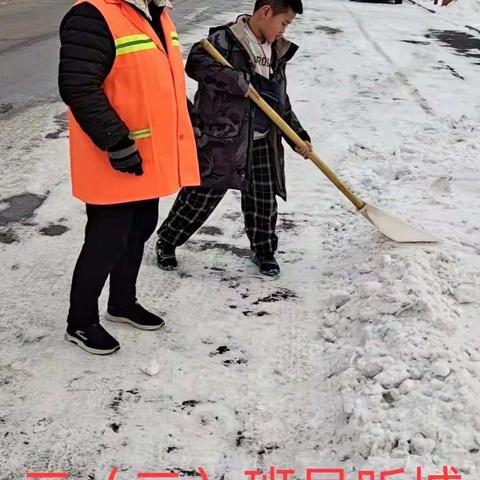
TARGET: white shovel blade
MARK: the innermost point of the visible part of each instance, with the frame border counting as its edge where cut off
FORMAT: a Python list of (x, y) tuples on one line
[(394, 228)]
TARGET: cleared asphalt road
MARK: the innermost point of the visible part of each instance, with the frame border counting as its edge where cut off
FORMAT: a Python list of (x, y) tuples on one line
[(29, 47)]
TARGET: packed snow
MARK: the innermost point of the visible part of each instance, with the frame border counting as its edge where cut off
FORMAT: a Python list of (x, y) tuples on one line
[(364, 354)]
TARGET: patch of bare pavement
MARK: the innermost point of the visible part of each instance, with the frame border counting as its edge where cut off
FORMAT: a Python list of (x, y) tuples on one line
[(29, 47), (462, 42)]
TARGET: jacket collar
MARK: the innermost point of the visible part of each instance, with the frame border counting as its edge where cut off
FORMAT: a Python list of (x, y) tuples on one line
[(284, 49), (139, 21), (142, 5)]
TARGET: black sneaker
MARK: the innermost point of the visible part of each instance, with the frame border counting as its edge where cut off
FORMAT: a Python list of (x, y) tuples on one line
[(267, 264), (93, 339), (166, 258), (135, 315)]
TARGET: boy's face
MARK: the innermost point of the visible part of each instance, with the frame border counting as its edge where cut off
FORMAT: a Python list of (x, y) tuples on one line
[(274, 26)]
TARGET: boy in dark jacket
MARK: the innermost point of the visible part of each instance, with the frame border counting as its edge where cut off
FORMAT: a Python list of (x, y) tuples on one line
[(239, 147)]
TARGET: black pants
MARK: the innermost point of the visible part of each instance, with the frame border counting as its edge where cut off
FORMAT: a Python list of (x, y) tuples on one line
[(115, 237), (194, 205)]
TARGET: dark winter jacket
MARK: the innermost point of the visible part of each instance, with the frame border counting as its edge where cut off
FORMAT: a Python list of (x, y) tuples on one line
[(86, 58), (228, 116)]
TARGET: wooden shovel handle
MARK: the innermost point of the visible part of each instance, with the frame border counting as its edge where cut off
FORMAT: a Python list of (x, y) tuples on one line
[(286, 129)]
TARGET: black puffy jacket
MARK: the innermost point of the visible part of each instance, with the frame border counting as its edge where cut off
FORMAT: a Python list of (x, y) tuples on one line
[(86, 58)]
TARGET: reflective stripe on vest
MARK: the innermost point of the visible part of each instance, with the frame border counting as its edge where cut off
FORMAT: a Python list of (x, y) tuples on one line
[(175, 40), (138, 134), (133, 43)]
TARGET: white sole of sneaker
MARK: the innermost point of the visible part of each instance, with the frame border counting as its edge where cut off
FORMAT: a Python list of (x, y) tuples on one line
[(93, 351), (113, 319)]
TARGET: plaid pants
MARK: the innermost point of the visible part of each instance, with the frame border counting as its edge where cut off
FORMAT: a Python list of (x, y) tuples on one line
[(194, 205)]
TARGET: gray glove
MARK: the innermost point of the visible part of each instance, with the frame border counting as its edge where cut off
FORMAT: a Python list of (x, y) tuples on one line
[(125, 158)]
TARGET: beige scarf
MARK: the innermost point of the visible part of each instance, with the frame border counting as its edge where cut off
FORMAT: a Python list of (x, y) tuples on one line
[(143, 5)]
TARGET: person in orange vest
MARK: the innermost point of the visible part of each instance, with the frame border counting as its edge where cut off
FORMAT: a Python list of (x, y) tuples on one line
[(131, 141)]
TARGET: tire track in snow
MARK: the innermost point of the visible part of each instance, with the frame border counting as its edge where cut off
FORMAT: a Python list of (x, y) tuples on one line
[(400, 76)]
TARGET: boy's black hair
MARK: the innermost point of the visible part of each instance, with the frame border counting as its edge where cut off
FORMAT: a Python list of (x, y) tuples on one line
[(280, 6)]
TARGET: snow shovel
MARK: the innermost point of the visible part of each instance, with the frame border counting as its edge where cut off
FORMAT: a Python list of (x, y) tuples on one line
[(390, 226)]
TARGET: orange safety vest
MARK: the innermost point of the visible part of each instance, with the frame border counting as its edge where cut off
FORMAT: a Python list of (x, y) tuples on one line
[(146, 87)]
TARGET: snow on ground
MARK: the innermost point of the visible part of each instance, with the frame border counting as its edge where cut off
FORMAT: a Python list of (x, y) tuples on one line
[(469, 8), (464, 12), (459, 12), (363, 354)]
